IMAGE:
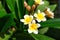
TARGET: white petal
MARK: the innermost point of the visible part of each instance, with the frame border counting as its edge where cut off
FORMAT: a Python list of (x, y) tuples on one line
[(52, 16), (43, 13), (35, 15), (35, 32), (38, 20), (31, 16), (25, 23), (33, 21), (38, 25), (26, 16), (44, 19), (38, 11), (42, 3), (48, 9), (51, 13), (30, 31), (22, 20), (29, 25)]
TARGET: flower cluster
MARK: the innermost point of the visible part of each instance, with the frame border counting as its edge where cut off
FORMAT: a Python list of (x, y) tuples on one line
[(30, 20), (33, 20)]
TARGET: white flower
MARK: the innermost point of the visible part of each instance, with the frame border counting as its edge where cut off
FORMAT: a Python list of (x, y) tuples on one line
[(33, 27), (27, 19), (39, 2), (40, 16), (49, 13)]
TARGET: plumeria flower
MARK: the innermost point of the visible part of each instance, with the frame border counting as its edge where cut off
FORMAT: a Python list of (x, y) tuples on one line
[(33, 27), (40, 16), (49, 13), (27, 19), (39, 2)]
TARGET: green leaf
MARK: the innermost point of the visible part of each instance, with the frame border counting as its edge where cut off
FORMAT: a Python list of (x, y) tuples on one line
[(54, 23), (41, 37), (30, 2), (52, 7), (21, 11), (14, 38), (16, 12), (43, 7), (7, 22), (2, 11), (21, 8), (10, 4), (7, 36), (43, 30), (1, 38)]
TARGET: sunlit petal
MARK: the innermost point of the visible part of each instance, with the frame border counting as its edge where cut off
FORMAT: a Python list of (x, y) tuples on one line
[(26, 16), (40, 16), (22, 20), (35, 15), (29, 31), (35, 32)]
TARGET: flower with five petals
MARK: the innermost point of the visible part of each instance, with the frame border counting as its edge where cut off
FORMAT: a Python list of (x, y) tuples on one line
[(33, 27), (40, 16), (27, 19)]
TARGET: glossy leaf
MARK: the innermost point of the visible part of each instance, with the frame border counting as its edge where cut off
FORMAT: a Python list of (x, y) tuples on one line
[(21, 8), (1, 38), (30, 2), (7, 36), (52, 7), (2, 11), (7, 22), (41, 37), (43, 30), (10, 4), (43, 6), (54, 23), (16, 12)]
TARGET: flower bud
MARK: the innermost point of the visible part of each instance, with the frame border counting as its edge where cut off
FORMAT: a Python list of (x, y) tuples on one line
[(13, 29), (49, 13), (33, 7), (25, 4), (28, 8)]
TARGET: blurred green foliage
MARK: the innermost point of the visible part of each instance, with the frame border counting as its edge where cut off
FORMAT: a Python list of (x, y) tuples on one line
[(12, 19)]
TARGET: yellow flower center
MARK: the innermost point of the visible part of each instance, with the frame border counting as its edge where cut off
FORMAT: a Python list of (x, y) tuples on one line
[(40, 16), (37, 1), (27, 20), (33, 26)]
